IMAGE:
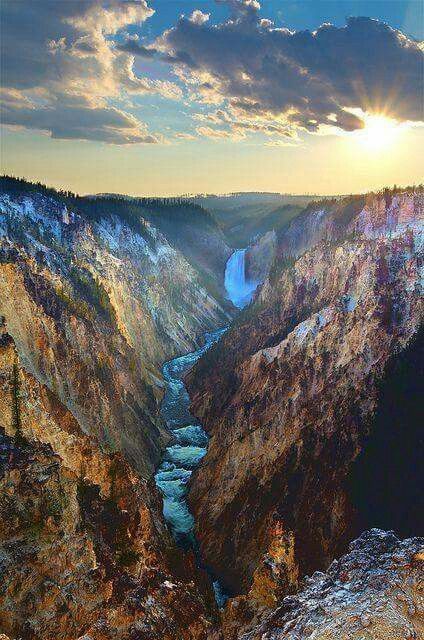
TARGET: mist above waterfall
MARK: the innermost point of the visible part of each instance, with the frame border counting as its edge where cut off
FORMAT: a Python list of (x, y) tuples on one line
[(239, 290)]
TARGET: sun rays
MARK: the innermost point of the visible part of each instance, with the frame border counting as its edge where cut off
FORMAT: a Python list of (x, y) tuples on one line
[(379, 133)]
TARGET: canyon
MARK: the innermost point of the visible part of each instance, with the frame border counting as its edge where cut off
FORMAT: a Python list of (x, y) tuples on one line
[(84, 550), (189, 431)]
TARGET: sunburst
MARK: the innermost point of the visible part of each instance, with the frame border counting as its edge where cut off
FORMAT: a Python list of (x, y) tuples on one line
[(379, 133)]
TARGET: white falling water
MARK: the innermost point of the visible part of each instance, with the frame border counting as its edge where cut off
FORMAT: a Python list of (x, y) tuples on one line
[(239, 290)]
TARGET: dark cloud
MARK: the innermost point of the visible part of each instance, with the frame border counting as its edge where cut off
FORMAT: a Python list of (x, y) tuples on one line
[(60, 69), (64, 60), (135, 48), (306, 78)]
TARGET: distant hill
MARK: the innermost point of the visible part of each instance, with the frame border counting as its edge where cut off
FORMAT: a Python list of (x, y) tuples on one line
[(243, 216)]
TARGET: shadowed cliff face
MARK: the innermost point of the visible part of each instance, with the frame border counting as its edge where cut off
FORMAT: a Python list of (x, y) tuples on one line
[(384, 482), (94, 308), (260, 255), (83, 546), (289, 394)]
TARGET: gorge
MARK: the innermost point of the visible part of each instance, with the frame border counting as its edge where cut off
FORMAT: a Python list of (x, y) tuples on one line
[(211, 320), (190, 440), (189, 445), (290, 407), (138, 484)]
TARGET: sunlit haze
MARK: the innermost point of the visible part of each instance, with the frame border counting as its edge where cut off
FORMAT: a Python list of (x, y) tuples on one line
[(132, 101), (379, 133)]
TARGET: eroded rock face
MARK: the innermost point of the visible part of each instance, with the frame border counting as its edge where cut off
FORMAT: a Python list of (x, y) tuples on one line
[(375, 592), (84, 551), (259, 256), (289, 394), (94, 308), (369, 214)]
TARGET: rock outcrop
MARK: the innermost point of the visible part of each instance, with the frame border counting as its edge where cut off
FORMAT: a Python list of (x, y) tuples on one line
[(289, 394), (375, 592), (84, 552), (197, 235)]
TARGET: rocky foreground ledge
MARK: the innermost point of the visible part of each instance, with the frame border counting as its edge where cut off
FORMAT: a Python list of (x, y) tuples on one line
[(374, 592)]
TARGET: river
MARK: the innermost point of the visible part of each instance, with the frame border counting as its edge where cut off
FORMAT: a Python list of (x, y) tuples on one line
[(190, 441), (188, 447)]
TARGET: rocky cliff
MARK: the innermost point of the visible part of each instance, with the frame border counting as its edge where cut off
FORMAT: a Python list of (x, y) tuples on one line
[(291, 392), (84, 552), (372, 593), (260, 255), (313, 387), (95, 303), (191, 229), (330, 220)]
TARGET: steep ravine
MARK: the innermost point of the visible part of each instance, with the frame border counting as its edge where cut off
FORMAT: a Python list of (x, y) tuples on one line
[(188, 445), (189, 440), (293, 401), (84, 551)]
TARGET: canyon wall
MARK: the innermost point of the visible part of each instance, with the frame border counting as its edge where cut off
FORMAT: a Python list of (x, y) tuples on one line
[(289, 394), (198, 236), (91, 304), (95, 305), (260, 255), (83, 547)]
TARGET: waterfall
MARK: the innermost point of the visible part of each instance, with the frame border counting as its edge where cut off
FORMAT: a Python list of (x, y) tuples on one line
[(239, 290)]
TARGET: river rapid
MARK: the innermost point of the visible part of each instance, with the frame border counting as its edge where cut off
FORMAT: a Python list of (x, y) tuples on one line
[(188, 447)]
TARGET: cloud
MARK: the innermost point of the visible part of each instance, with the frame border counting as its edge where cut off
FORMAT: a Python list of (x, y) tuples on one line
[(297, 79), (198, 17), (135, 48), (238, 127), (69, 59), (242, 8), (281, 143), (218, 134), (182, 135), (60, 61), (76, 118)]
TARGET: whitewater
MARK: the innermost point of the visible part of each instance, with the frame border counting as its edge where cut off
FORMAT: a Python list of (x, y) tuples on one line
[(188, 447)]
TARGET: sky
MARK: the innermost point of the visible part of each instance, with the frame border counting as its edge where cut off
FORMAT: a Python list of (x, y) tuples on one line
[(164, 97)]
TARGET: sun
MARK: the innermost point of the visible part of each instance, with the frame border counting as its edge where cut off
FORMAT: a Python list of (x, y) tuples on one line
[(379, 132)]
